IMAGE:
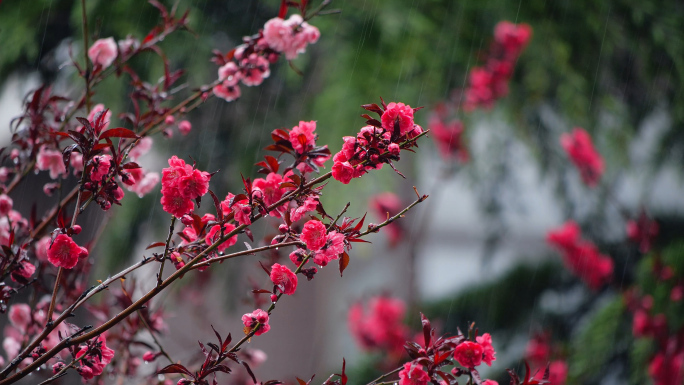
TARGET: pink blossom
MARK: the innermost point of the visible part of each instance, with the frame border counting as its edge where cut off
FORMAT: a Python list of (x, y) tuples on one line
[(76, 162), (5, 205), (270, 187), (314, 234), (490, 382), (565, 237), (667, 368), (581, 258), (50, 160), (214, 235), (250, 320), (103, 52), (128, 44), (240, 209), (229, 74), (184, 127), (227, 93), (449, 139), (398, 117), (23, 272), (413, 374), (284, 279), (11, 346), (4, 174), (169, 120), (194, 184), (382, 327), (581, 150), (278, 34), (41, 248), (469, 354), (302, 136), (95, 361), (332, 249), (512, 37), (538, 350), (143, 147), (255, 69), (101, 165), (342, 172), (174, 203), (20, 315), (558, 372), (489, 354), (64, 252), (309, 205), (146, 184)]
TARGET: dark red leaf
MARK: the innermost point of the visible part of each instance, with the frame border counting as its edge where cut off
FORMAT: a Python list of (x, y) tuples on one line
[(344, 262), (155, 244), (217, 205), (119, 132), (131, 165), (175, 368), (427, 329)]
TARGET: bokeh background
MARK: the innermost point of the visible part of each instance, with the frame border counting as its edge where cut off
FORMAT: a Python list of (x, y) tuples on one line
[(476, 250)]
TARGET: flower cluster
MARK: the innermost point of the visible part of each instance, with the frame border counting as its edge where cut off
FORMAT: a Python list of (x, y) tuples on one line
[(539, 353), (449, 137), (290, 36), (97, 356), (582, 258), (382, 327), (490, 82), (428, 360), (377, 143), (580, 149), (181, 183), (250, 62), (471, 354), (257, 317)]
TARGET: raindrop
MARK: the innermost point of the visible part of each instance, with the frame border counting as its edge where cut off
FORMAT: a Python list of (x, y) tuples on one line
[(160, 377)]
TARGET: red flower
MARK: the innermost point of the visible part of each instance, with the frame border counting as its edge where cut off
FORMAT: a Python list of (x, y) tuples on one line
[(342, 172), (270, 187), (284, 279), (101, 166), (565, 237), (174, 203), (93, 364), (103, 52), (558, 372), (184, 127), (314, 235), (449, 139), (215, 233), (332, 249), (250, 320), (64, 252), (489, 354), (413, 375), (469, 354), (581, 150), (302, 136), (398, 116), (382, 328), (194, 185), (240, 209)]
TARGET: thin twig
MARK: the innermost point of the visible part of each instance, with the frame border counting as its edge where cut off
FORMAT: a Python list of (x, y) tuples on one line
[(166, 250), (376, 381), (86, 74)]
